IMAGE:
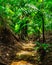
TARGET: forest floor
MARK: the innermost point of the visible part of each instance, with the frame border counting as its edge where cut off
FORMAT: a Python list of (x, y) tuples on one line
[(22, 52)]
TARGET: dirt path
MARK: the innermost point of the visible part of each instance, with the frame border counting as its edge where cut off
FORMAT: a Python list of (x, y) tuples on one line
[(22, 53)]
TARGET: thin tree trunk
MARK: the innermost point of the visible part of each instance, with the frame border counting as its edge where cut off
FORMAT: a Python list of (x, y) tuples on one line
[(43, 21), (43, 28)]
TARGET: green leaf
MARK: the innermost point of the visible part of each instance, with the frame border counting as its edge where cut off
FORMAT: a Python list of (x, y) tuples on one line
[(17, 27)]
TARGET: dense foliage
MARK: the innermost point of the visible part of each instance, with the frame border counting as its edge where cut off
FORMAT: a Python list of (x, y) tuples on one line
[(26, 15)]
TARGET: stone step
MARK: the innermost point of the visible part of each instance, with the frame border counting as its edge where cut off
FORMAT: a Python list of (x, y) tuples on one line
[(25, 55), (29, 46), (22, 62)]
